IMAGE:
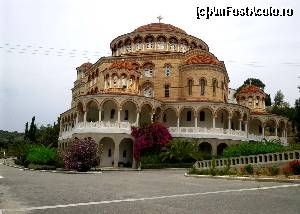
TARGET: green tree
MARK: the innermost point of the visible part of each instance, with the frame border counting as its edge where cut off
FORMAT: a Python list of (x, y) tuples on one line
[(256, 82), (181, 150), (48, 135), (268, 101), (278, 99), (32, 130), (26, 131)]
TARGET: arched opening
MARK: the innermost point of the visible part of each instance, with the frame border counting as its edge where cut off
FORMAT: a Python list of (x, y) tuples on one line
[(109, 111), (255, 126), (148, 69), (129, 111), (205, 118), (138, 43), (221, 148), (149, 42), (157, 115), (206, 149), (145, 115), (183, 45), (161, 43), (187, 117), (126, 152), (222, 119), (270, 128), (108, 147), (281, 127), (170, 118), (235, 120), (245, 120), (147, 89), (92, 112), (128, 45), (173, 42), (80, 112)]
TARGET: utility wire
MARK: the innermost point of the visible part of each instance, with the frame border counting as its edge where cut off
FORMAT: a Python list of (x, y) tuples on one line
[(88, 54)]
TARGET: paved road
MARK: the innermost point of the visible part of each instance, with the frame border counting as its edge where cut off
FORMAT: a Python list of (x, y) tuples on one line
[(140, 192)]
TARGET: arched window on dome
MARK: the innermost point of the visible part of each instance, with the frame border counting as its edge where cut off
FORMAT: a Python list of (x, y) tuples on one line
[(183, 46), (168, 70), (215, 85), (149, 42), (193, 45), (161, 43), (128, 45), (257, 101), (138, 43), (202, 86), (173, 44)]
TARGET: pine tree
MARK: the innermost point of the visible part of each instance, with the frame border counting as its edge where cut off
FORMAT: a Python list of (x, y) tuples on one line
[(278, 99)]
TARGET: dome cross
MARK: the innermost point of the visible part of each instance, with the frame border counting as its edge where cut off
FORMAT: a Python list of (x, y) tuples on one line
[(159, 18)]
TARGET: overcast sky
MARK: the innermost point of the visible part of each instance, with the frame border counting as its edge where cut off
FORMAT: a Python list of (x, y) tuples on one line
[(42, 43)]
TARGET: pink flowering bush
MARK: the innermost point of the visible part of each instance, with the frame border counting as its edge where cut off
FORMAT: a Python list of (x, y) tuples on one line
[(81, 155), (147, 137)]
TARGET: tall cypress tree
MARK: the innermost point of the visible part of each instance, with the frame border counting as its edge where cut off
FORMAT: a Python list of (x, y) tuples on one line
[(26, 131), (32, 131)]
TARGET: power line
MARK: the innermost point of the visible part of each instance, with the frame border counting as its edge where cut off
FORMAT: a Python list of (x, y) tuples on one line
[(88, 54)]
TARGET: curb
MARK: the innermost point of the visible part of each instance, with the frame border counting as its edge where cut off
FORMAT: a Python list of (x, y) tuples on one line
[(245, 178), (51, 171)]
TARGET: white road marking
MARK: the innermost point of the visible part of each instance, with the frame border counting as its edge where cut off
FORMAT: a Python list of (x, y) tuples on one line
[(147, 198), (1, 177)]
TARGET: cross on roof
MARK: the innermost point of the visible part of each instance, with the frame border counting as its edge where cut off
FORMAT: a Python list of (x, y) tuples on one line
[(250, 82), (159, 18)]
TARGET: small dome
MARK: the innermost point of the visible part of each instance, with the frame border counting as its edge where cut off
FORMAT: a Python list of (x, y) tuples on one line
[(159, 27), (251, 89)]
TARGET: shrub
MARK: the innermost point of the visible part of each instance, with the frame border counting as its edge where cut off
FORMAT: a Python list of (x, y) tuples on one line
[(295, 167), (81, 155), (181, 150), (149, 136), (249, 169), (41, 155), (253, 148), (274, 170)]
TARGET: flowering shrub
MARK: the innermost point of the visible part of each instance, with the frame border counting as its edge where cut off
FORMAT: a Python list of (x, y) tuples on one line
[(81, 155), (295, 167), (149, 136), (249, 169)]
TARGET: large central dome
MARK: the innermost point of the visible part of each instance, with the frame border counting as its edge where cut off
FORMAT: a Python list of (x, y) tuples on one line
[(159, 27)]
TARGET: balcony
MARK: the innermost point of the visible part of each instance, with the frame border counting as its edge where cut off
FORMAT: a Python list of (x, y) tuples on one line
[(188, 132)]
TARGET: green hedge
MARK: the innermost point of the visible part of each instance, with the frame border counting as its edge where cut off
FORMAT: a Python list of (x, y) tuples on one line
[(41, 155), (253, 148)]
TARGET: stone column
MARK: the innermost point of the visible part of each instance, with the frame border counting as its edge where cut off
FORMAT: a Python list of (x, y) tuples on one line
[(229, 123), (77, 118), (119, 115), (84, 117), (240, 124), (178, 121), (105, 86), (246, 128), (276, 131), (137, 118), (196, 120), (214, 122), (100, 114), (110, 82), (263, 130), (214, 149), (116, 154)]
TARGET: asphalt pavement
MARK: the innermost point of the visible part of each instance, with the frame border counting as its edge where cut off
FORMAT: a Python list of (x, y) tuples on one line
[(162, 191)]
